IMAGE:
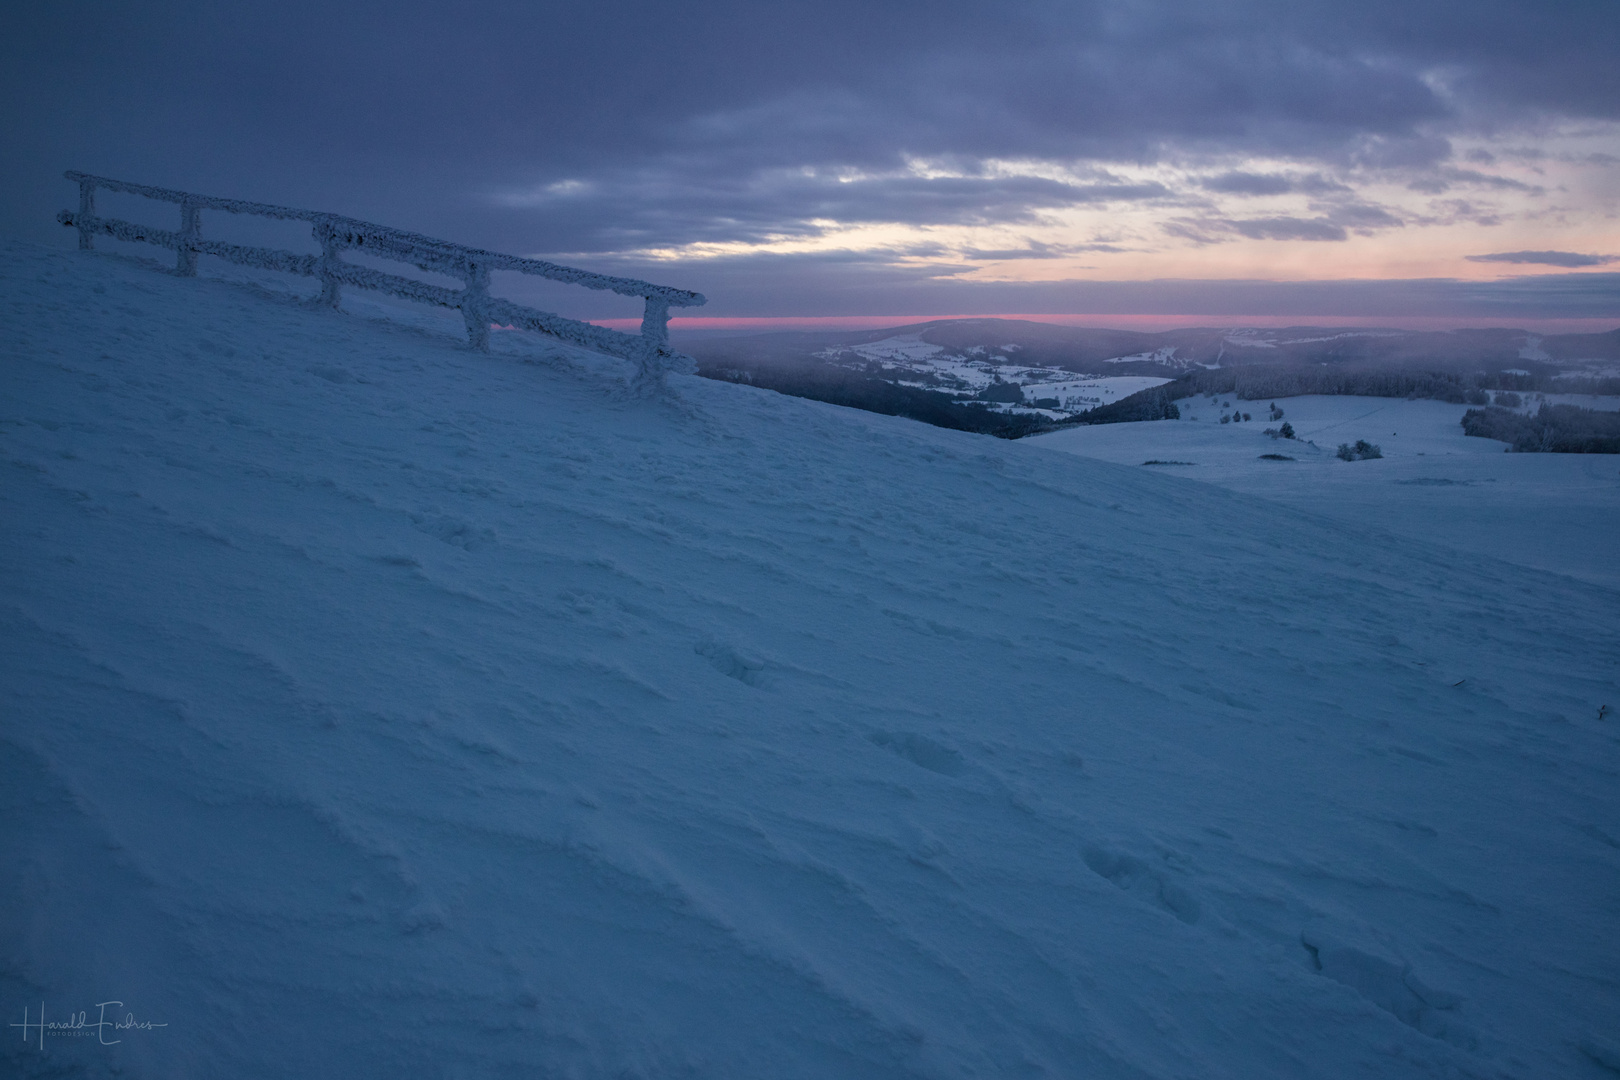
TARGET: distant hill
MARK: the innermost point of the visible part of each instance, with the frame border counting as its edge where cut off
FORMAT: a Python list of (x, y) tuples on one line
[(1092, 351), (976, 374)]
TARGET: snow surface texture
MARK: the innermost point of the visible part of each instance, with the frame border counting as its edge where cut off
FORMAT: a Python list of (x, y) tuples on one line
[(378, 708), (1553, 512), (650, 350)]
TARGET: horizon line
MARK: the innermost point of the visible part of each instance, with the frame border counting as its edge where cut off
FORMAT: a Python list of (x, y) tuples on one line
[(1139, 323)]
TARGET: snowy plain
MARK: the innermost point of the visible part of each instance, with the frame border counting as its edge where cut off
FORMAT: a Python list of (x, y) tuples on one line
[(373, 707), (1553, 512)]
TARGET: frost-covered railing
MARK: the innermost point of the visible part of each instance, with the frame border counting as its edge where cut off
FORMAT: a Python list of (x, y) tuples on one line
[(649, 350)]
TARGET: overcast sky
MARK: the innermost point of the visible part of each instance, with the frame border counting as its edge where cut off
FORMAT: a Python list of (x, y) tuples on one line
[(1283, 158)]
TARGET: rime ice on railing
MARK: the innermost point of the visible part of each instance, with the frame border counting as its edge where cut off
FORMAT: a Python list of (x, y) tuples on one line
[(649, 350)]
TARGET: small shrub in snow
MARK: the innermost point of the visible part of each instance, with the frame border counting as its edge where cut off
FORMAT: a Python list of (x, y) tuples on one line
[(1287, 430), (1225, 419), (1362, 451), (1276, 413)]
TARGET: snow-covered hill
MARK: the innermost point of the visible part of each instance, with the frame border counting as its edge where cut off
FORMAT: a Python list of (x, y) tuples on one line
[(378, 708), (965, 374), (1098, 352)]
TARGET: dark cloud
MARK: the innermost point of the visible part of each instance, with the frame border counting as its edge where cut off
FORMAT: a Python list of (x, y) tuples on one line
[(632, 211), (1548, 295), (732, 121), (1288, 228), (1363, 217), (1547, 258), (827, 282), (1453, 211), (1335, 222), (1437, 181), (1037, 250), (1242, 183)]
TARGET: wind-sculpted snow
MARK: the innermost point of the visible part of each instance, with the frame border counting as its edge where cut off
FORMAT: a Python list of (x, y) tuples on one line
[(375, 707)]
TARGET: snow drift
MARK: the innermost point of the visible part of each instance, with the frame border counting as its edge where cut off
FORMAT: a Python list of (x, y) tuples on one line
[(374, 707)]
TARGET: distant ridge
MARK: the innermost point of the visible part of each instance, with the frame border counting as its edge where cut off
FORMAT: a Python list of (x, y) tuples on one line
[(1079, 348), (1016, 377)]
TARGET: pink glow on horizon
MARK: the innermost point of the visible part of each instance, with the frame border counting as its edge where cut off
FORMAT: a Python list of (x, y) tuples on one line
[(1145, 323)]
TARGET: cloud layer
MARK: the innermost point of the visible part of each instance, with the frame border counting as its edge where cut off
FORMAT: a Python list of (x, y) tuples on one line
[(1546, 258), (973, 143)]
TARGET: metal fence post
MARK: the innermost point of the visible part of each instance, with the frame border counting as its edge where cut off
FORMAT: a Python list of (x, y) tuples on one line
[(87, 210), (472, 306), (185, 261)]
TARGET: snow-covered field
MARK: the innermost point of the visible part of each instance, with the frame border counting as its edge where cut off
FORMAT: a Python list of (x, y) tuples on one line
[(1553, 512), (908, 360), (378, 708), (1165, 356)]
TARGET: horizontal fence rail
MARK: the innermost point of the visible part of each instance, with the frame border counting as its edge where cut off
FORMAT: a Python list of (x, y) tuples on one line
[(335, 234)]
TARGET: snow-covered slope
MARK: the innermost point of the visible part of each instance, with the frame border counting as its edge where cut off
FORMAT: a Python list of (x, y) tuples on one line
[(377, 708)]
